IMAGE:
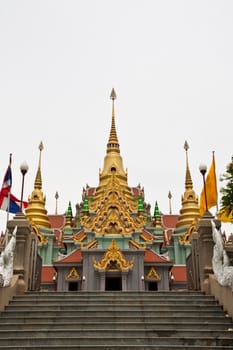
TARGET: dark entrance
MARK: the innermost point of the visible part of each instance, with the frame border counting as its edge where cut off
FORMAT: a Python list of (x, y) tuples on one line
[(73, 286), (152, 286), (113, 283)]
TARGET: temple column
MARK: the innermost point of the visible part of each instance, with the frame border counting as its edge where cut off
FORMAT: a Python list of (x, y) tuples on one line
[(124, 281), (102, 280)]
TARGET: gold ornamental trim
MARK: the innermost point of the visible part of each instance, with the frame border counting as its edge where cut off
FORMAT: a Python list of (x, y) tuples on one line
[(137, 245), (185, 239), (42, 239), (73, 275), (113, 260), (153, 275)]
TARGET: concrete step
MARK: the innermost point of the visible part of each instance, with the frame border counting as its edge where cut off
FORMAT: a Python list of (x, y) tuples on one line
[(86, 325), (203, 320), (111, 306), (93, 313), (115, 347), (106, 341), (112, 331), (145, 301)]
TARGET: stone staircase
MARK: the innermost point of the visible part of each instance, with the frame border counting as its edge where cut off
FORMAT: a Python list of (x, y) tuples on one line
[(114, 321)]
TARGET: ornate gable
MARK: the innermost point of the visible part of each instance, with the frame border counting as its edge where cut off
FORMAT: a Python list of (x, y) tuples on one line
[(113, 260), (113, 212)]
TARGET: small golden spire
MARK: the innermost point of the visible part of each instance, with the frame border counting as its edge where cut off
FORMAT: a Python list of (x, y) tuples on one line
[(189, 210), (38, 180), (188, 179), (113, 140), (36, 212)]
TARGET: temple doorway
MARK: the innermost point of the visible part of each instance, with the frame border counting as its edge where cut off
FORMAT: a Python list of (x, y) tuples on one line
[(113, 283), (152, 285)]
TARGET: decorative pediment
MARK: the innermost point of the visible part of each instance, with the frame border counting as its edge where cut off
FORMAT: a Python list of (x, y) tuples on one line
[(153, 275), (73, 275), (114, 214), (113, 260)]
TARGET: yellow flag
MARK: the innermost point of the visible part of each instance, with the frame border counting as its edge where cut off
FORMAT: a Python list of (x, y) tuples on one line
[(211, 190)]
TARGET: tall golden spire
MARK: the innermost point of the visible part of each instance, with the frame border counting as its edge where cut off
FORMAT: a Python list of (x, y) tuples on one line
[(36, 212), (188, 179), (113, 162), (189, 211), (38, 179), (113, 140)]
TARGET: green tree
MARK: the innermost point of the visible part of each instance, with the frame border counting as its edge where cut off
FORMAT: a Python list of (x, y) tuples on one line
[(226, 211)]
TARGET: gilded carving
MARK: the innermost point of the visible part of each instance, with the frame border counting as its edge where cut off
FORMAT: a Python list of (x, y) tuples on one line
[(113, 260), (73, 274), (153, 275), (42, 239), (113, 214)]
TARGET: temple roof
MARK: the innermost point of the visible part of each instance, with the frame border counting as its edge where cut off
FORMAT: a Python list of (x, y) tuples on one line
[(152, 257)]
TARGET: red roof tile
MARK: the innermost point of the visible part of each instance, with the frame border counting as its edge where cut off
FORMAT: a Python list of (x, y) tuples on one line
[(47, 274), (152, 257), (91, 191), (73, 257), (179, 273), (170, 221), (57, 221)]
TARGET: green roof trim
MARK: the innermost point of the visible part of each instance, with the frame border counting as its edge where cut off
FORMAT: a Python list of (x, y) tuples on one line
[(156, 211), (85, 204), (69, 210), (140, 204)]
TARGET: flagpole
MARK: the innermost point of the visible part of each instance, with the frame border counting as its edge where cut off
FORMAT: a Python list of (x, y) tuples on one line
[(8, 206), (216, 182)]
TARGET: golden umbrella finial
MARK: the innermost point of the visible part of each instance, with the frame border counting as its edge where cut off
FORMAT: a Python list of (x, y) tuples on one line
[(113, 94), (186, 146), (56, 197)]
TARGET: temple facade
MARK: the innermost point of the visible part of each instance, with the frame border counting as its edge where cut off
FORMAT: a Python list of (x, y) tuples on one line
[(113, 242)]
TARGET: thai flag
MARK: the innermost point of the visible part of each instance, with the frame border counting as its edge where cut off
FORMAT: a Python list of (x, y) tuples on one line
[(8, 202)]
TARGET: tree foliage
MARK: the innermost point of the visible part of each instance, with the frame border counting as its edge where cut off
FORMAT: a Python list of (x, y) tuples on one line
[(227, 191)]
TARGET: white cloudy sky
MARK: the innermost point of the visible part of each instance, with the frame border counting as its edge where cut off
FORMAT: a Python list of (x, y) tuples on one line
[(171, 63)]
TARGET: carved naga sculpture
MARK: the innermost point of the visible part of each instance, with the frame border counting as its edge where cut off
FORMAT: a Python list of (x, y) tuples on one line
[(220, 261), (6, 261)]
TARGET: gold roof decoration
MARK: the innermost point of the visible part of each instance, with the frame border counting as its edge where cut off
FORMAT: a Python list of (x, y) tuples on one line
[(185, 239), (36, 212), (42, 239), (190, 207), (113, 260), (73, 275), (153, 275), (134, 244), (113, 213)]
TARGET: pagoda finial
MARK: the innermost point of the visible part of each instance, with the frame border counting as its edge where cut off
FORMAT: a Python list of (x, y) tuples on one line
[(170, 204), (113, 140), (56, 197), (188, 179), (69, 216), (38, 180), (157, 216), (190, 208), (36, 212)]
